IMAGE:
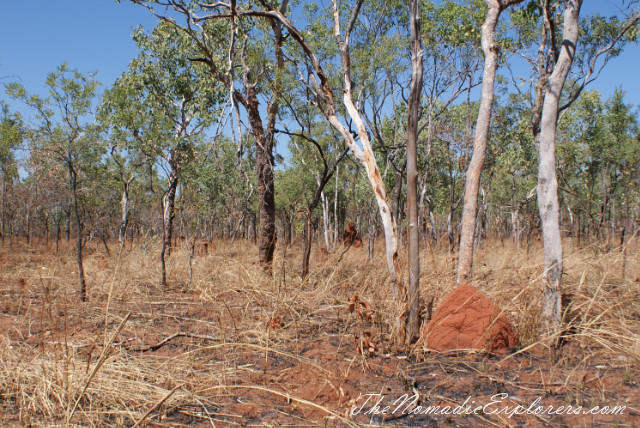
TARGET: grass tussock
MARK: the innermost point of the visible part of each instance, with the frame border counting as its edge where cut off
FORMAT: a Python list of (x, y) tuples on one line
[(91, 364)]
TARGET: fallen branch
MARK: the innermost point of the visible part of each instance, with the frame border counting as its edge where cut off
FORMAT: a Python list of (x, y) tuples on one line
[(173, 336)]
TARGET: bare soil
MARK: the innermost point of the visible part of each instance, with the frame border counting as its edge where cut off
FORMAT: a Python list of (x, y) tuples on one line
[(239, 347)]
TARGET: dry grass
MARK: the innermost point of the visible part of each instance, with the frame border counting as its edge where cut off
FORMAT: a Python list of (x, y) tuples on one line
[(58, 365)]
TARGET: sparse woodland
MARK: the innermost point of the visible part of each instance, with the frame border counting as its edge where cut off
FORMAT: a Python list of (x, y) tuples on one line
[(254, 223)]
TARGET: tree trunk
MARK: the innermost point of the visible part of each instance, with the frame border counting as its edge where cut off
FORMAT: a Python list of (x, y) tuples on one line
[(306, 245), (163, 250), (450, 233), (547, 190), (336, 233), (74, 188), (325, 220), (168, 202), (470, 208), (365, 155), (124, 205), (168, 214), (372, 229), (266, 198), (413, 317), (67, 230), (28, 231), (4, 189), (515, 227), (397, 199)]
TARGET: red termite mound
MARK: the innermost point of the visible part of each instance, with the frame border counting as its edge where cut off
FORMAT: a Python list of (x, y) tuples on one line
[(467, 319), (351, 236)]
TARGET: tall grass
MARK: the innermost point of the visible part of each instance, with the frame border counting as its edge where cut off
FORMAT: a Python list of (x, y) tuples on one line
[(67, 363)]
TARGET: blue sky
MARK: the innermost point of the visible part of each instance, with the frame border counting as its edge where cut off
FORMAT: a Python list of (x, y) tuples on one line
[(91, 35), (94, 35)]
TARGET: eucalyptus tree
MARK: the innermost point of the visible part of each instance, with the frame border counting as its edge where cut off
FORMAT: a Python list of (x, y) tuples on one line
[(624, 131), (65, 132), (472, 183), (553, 67), (307, 145), (125, 161), (381, 80), (218, 186), (160, 108), (598, 157), (511, 150), (11, 135), (125, 168), (228, 41), (452, 64), (292, 185), (555, 56), (320, 81), (413, 107)]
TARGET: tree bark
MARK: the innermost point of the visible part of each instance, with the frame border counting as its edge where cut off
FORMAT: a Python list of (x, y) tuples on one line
[(264, 164), (365, 155), (306, 245), (325, 220), (397, 197), (413, 317), (163, 250), (264, 148), (74, 188), (124, 205), (67, 230), (336, 233), (547, 190), (168, 205), (168, 202), (4, 189)]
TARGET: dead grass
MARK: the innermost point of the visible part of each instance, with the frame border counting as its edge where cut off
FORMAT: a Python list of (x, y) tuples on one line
[(66, 363)]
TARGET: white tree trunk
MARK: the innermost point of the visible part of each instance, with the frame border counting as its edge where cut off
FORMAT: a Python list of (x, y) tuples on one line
[(336, 233), (547, 189), (472, 183), (325, 219)]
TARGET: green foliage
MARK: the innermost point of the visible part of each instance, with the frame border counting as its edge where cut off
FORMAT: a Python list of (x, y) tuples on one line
[(11, 135), (159, 115), (452, 23), (599, 153), (64, 125), (163, 103)]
